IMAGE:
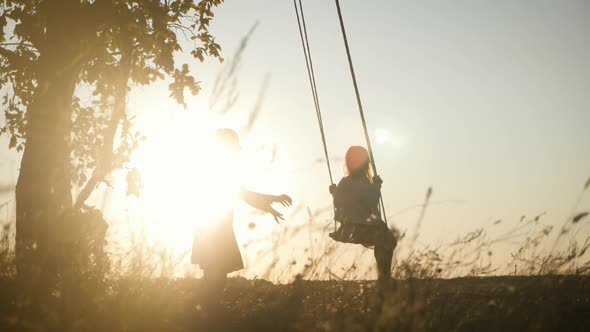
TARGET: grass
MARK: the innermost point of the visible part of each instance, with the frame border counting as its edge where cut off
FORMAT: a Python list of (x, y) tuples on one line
[(542, 303), (545, 287), (451, 287)]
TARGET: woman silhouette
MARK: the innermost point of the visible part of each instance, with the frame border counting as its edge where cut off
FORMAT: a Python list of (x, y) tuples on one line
[(216, 250)]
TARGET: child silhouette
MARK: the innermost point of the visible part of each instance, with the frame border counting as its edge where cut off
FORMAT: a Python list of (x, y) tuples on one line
[(356, 200)]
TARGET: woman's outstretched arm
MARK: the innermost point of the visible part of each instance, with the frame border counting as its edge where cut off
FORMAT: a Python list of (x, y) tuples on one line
[(263, 202)]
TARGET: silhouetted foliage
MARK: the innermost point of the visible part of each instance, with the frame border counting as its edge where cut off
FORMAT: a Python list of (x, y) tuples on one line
[(49, 51)]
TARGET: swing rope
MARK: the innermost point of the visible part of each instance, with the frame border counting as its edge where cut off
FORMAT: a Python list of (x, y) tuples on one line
[(359, 103), (311, 75), (312, 83)]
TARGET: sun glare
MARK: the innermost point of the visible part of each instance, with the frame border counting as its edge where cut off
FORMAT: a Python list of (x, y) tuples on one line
[(382, 136), (189, 180)]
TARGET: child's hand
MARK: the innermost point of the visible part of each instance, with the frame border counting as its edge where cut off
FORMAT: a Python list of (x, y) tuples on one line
[(285, 200), (333, 188), (377, 181)]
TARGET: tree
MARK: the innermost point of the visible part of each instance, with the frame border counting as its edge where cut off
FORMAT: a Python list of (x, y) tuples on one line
[(47, 50)]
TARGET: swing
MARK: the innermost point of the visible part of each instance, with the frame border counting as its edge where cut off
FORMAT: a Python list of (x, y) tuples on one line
[(311, 75)]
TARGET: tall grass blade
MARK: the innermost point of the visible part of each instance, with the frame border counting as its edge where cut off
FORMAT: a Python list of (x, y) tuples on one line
[(579, 217)]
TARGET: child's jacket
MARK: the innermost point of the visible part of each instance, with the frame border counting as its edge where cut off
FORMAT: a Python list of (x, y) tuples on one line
[(356, 200)]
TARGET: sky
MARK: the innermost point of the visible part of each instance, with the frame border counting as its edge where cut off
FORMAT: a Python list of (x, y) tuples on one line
[(485, 102)]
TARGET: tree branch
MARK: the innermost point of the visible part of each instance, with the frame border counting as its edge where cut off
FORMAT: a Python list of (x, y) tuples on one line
[(21, 44), (14, 58), (104, 164)]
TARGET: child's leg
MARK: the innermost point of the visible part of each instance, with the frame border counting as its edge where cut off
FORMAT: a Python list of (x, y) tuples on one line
[(384, 247)]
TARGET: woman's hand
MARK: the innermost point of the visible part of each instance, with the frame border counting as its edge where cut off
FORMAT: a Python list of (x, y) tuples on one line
[(276, 214), (285, 200)]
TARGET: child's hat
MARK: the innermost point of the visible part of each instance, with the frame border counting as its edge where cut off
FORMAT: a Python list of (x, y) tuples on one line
[(356, 158)]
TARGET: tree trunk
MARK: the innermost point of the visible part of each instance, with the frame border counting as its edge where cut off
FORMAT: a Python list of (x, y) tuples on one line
[(43, 190)]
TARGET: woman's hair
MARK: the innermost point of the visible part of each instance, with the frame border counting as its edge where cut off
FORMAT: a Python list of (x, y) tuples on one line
[(358, 163)]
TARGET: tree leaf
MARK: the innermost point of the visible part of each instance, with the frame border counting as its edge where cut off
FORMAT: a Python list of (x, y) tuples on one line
[(12, 143)]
